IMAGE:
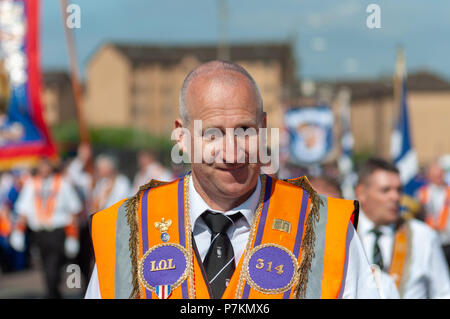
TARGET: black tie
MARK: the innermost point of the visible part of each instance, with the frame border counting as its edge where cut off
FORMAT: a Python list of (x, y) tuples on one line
[(377, 258), (219, 260)]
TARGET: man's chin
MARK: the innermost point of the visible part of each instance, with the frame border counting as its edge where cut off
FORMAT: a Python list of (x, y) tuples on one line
[(238, 174), (234, 191)]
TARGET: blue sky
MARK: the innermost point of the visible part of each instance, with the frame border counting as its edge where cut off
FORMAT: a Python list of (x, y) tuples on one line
[(332, 39)]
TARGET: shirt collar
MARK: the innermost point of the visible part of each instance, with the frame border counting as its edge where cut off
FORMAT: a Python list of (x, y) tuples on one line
[(198, 206), (365, 225)]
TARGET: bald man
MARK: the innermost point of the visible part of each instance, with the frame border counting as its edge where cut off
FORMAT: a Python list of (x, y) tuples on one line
[(225, 230)]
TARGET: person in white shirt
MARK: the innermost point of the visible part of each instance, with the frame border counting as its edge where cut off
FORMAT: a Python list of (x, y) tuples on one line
[(223, 95), (48, 204), (407, 249), (79, 173), (435, 198), (150, 168), (329, 187), (110, 185), (359, 282)]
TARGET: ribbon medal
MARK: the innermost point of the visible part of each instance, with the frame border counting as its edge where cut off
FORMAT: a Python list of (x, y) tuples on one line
[(271, 269), (163, 268)]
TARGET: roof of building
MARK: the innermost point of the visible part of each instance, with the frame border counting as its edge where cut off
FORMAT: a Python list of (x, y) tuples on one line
[(143, 53), (51, 77), (416, 82)]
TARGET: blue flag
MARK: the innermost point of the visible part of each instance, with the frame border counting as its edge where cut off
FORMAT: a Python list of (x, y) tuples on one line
[(402, 150)]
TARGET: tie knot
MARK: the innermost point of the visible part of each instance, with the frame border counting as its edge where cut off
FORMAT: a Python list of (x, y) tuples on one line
[(218, 222), (377, 232)]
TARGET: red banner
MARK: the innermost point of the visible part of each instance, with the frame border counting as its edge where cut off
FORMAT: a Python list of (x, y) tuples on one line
[(24, 136)]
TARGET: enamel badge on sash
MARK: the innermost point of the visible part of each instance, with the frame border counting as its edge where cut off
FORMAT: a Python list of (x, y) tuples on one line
[(163, 268), (271, 269), (163, 227)]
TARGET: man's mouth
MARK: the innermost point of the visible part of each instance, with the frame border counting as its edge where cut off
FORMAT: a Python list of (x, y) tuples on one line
[(230, 168)]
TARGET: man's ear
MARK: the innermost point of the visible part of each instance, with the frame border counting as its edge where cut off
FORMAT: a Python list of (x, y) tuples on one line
[(179, 135), (360, 192), (264, 120)]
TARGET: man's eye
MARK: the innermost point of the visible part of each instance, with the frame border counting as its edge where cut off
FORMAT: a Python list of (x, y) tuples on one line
[(212, 134), (245, 130)]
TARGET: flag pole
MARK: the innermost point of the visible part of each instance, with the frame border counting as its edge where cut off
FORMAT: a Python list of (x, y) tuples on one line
[(399, 74), (74, 75)]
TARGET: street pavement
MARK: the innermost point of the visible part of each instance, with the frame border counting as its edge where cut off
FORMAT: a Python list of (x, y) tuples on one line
[(29, 284)]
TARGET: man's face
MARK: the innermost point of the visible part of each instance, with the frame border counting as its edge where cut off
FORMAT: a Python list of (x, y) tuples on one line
[(380, 195), (104, 168), (144, 160), (224, 104), (436, 174), (45, 169)]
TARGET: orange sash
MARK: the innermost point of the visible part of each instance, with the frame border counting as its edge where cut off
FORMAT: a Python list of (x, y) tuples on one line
[(100, 200), (44, 213), (400, 256), (5, 223), (284, 225), (438, 222)]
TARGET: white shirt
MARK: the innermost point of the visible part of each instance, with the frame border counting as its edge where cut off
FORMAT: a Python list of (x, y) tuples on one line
[(428, 271), (359, 281), (78, 177), (67, 204), (119, 191), (385, 284)]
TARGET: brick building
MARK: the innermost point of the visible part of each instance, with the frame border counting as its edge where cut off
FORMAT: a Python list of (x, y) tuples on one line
[(138, 85)]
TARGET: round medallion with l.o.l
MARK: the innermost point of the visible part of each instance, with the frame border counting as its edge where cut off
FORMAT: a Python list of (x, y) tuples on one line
[(163, 265), (271, 269)]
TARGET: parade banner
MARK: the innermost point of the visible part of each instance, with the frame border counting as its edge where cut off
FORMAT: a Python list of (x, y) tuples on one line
[(24, 137), (310, 132)]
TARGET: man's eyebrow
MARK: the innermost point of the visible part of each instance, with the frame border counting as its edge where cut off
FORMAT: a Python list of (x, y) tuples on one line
[(223, 129)]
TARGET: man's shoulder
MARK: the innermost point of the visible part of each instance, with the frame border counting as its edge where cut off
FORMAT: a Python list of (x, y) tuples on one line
[(299, 182), (109, 210), (154, 184), (421, 231), (335, 206)]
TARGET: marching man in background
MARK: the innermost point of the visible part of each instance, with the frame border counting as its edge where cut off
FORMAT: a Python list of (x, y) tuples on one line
[(407, 249), (48, 204)]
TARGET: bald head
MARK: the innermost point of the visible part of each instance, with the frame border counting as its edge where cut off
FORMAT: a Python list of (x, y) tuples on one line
[(216, 72), (435, 173)]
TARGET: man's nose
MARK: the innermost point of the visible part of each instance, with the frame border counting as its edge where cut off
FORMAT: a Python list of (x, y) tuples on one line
[(396, 195), (230, 149)]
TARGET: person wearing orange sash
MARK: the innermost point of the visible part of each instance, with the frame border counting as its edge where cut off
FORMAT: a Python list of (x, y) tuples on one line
[(435, 198), (405, 248), (225, 230), (47, 205), (110, 185)]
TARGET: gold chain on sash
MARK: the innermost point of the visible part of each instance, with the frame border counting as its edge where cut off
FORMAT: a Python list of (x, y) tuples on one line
[(132, 207), (187, 210)]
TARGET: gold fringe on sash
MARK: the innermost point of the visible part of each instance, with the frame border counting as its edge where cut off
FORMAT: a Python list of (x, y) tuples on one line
[(132, 211), (309, 238), (132, 207)]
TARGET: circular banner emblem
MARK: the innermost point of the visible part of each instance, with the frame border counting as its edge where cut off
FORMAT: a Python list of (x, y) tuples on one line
[(163, 265), (271, 269)]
